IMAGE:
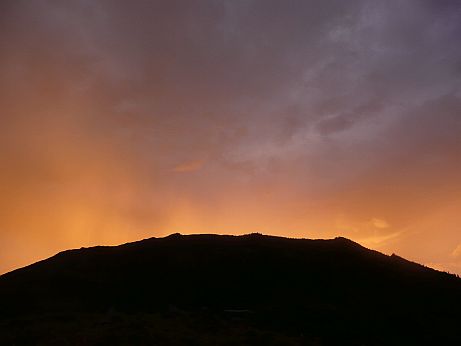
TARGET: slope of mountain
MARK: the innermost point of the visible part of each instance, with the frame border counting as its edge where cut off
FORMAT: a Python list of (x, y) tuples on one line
[(229, 290)]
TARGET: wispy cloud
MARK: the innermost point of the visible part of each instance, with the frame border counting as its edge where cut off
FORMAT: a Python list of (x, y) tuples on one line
[(189, 166), (378, 240), (457, 252), (379, 223)]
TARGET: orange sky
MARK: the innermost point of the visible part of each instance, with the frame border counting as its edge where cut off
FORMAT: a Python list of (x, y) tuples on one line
[(121, 121)]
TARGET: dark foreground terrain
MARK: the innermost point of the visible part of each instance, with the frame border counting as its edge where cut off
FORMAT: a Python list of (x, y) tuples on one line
[(229, 290)]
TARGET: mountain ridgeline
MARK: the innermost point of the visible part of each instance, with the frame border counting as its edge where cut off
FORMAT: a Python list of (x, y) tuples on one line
[(229, 290)]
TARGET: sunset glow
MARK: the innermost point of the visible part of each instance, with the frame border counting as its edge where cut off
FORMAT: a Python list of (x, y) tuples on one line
[(121, 121)]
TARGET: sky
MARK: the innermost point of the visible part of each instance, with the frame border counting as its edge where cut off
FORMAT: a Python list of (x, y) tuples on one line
[(123, 120)]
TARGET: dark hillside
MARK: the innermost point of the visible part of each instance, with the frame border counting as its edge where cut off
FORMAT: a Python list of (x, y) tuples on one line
[(210, 289)]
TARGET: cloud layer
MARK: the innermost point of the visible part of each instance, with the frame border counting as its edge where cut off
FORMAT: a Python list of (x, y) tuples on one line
[(123, 120)]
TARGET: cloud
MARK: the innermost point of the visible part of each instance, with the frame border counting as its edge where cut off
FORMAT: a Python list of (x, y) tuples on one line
[(306, 110), (456, 252), (189, 166), (379, 223), (379, 240)]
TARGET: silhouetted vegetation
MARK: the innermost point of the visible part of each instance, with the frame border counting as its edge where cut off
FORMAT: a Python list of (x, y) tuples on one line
[(228, 290)]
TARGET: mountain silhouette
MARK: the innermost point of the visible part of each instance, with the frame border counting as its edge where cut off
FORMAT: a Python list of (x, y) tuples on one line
[(229, 290)]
